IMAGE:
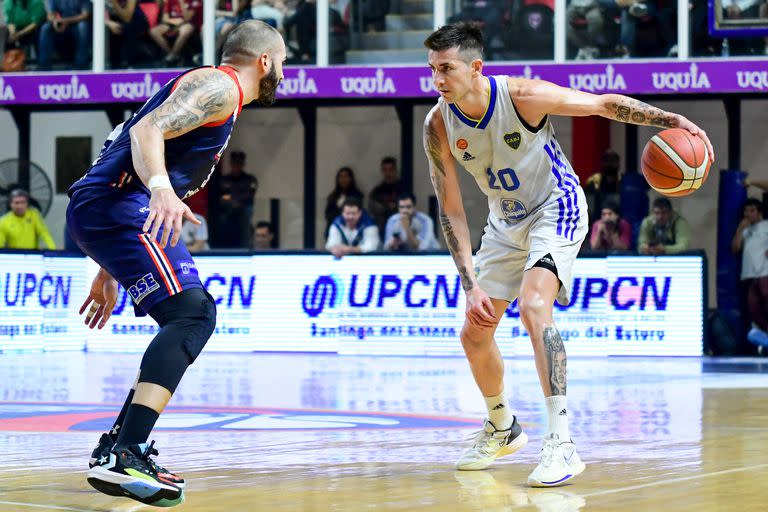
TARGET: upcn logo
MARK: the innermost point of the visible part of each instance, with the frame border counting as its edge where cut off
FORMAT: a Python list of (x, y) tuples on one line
[(625, 293), (6, 91), (747, 79), (299, 85), (378, 291), (607, 81), (363, 85), (680, 81), (20, 289), (74, 90), (135, 90)]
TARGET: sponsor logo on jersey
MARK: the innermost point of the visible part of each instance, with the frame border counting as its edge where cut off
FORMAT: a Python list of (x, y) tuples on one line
[(143, 287), (188, 267), (462, 144), (513, 209), (467, 156), (512, 139)]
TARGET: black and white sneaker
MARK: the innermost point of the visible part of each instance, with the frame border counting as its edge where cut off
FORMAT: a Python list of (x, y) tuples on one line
[(130, 472), (489, 444)]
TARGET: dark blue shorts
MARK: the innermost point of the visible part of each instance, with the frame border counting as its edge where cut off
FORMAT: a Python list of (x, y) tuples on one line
[(106, 223)]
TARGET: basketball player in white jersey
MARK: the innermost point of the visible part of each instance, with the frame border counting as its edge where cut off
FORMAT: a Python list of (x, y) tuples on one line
[(498, 127)]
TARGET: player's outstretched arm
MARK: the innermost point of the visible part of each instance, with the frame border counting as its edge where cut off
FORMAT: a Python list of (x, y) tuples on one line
[(534, 99), (202, 96), (453, 219)]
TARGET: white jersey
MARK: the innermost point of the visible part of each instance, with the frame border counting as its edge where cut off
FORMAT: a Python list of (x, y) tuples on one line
[(520, 168)]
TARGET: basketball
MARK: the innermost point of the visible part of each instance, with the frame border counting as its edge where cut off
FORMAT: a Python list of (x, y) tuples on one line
[(675, 162)]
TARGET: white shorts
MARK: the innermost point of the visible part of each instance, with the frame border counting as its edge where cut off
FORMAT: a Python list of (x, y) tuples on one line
[(510, 248)]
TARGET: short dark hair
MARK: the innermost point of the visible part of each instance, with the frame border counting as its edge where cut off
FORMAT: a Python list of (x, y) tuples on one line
[(662, 203), (249, 40), (612, 205), (264, 224), (466, 36), (353, 202), (752, 201), (19, 192), (237, 156), (404, 196), (389, 160)]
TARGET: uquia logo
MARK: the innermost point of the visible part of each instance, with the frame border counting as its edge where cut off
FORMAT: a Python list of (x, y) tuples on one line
[(6, 91), (299, 85), (74, 90), (680, 81), (608, 80), (752, 79), (135, 90), (363, 85)]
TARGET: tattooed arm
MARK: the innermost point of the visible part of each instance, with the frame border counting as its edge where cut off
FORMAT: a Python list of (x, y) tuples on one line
[(202, 96), (453, 219), (534, 99)]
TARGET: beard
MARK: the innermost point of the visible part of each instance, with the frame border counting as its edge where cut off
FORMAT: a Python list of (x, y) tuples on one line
[(268, 87)]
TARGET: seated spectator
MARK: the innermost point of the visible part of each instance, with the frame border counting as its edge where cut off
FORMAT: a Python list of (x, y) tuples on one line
[(128, 25), (263, 236), (489, 15), (382, 202), (346, 187), (751, 238), (596, 40), (664, 231), (68, 22), (352, 232), (302, 43), (635, 12), (179, 22), (269, 12), (228, 14), (409, 230), (22, 22), (195, 236), (611, 232), (23, 227)]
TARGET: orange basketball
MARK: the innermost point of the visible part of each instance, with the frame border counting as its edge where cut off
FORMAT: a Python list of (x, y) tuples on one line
[(675, 162)]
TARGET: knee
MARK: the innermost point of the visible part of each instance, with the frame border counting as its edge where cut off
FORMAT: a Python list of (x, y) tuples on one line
[(186, 29), (475, 338), (532, 306)]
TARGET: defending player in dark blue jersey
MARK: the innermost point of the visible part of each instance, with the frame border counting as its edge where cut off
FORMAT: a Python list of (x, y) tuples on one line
[(124, 212)]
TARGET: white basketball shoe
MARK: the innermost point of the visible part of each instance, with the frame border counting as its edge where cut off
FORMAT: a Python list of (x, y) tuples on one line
[(559, 463), (489, 444)]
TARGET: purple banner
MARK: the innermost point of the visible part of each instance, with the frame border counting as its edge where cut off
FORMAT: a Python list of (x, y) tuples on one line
[(701, 76)]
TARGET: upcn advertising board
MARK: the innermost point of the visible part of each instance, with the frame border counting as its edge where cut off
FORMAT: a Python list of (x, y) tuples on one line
[(388, 305)]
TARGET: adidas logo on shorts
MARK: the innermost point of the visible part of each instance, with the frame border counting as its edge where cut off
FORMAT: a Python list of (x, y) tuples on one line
[(467, 156)]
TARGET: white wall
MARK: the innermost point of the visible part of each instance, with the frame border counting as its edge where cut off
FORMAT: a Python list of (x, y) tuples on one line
[(359, 137)]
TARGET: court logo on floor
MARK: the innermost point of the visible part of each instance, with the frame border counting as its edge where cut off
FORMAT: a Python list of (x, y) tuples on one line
[(99, 418)]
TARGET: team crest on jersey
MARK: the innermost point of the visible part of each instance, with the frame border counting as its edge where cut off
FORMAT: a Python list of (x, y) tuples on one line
[(513, 139), (513, 209), (462, 144)]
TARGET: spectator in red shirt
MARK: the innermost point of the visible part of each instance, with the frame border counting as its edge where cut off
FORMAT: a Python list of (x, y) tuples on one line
[(610, 232), (180, 20)]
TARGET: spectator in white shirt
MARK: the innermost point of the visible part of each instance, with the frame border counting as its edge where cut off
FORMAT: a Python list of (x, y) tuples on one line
[(409, 230), (195, 237), (352, 232), (751, 238)]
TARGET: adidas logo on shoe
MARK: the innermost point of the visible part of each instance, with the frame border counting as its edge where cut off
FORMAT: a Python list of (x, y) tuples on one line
[(467, 157)]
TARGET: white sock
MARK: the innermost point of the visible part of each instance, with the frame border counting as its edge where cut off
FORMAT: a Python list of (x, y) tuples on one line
[(499, 412), (557, 413)]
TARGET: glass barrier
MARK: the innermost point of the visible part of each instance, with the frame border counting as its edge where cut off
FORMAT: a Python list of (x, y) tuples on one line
[(724, 28), (513, 30), (379, 31), (621, 29)]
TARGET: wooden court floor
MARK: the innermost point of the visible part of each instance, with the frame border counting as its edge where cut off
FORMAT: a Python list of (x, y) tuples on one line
[(329, 433)]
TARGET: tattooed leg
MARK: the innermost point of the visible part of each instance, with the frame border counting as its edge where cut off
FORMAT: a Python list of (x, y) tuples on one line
[(555, 350)]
